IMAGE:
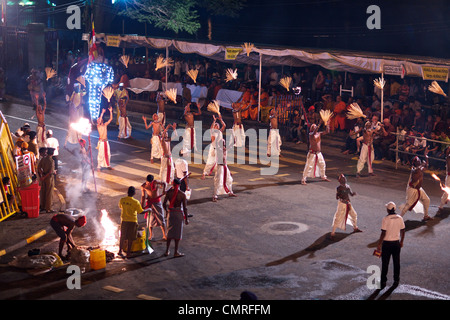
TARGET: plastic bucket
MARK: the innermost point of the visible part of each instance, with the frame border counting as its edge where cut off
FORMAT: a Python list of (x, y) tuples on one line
[(97, 259), (30, 200)]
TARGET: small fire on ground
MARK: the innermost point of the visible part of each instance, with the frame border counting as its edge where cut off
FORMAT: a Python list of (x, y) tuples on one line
[(110, 240), (443, 186)]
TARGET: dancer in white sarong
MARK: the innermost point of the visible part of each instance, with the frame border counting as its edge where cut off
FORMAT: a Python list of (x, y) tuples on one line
[(189, 133), (104, 154), (122, 98), (238, 127), (211, 162), (315, 163), (367, 153), (414, 191), (167, 169), (445, 195), (223, 181), (75, 114), (157, 126), (274, 139), (345, 214), (41, 105)]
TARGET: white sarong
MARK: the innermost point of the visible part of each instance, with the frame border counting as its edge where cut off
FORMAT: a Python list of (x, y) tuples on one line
[(315, 166), (414, 199), (274, 143), (345, 214), (367, 154), (41, 137), (124, 128), (444, 198), (189, 140), (239, 135), (156, 148), (104, 155), (223, 181), (167, 170)]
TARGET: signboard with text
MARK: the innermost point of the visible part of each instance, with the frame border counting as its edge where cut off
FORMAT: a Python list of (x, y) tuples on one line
[(435, 73), (232, 53)]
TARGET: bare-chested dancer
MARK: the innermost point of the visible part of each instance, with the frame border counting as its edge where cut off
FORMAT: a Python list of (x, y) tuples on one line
[(367, 153), (345, 211), (189, 133), (41, 105), (274, 139), (157, 128), (104, 154), (150, 198), (177, 214), (414, 190), (238, 128), (315, 163), (167, 169), (161, 109), (444, 198)]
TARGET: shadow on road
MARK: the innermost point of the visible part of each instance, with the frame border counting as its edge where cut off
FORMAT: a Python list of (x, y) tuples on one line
[(321, 243), (385, 295)]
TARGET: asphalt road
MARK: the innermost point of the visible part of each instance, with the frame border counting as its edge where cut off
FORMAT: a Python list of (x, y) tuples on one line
[(272, 239)]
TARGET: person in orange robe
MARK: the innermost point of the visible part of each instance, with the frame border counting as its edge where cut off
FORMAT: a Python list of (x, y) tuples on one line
[(245, 101), (253, 110), (339, 114)]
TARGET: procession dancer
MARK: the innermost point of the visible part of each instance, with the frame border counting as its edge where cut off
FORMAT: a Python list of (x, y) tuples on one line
[(150, 199), (161, 108), (238, 128), (104, 155), (345, 213), (124, 124), (75, 113), (167, 169), (367, 153), (223, 181), (41, 105), (274, 139), (315, 165), (414, 190), (216, 135), (157, 127), (177, 214), (445, 195), (189, 132)]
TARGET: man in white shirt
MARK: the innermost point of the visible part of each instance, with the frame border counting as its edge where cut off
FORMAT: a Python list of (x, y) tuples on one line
[(181, 171), (390, 243), (52, 142)]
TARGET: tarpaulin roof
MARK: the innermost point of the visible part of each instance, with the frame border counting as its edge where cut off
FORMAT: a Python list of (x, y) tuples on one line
[(338, 60)]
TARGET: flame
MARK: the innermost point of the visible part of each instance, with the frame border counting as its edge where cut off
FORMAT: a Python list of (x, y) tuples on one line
[(443, 186), (82, 126), (109, 239)]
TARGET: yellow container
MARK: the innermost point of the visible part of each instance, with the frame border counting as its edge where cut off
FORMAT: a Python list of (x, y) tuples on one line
[(97, 259), (139, 243)]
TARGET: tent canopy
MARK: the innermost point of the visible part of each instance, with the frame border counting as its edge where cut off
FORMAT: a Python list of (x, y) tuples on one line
[(338, 60)]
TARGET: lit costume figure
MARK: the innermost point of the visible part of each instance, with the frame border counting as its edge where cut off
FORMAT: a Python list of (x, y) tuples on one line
[(344, 213), (444, 198), (167, 168), (75, 113), (223, 181), (274, 139), (161, 108), (104, 154), (238, 128), (99, 76), (216, 136), (41, 105), (189, 132), (35, 86), (121, 97), (315, 165), (367, 153), (414, 190), (155, 141)]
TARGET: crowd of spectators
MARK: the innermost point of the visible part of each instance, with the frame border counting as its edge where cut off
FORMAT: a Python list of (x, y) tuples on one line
[(409, 108)]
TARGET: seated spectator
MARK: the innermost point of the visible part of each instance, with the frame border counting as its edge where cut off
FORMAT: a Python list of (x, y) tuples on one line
[(439, 124), (419, 122), (444, 138), (355, 133), (407, 119), (433, 149), (387, 138), (429, 124), (419, 145), (403, 92), (295, 126)]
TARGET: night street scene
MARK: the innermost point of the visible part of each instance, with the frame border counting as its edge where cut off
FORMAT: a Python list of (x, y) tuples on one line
[(225, 158)]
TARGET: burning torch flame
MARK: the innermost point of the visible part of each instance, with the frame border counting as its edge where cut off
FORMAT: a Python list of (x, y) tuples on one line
[(82, 126), (109, 239), (443, 186)]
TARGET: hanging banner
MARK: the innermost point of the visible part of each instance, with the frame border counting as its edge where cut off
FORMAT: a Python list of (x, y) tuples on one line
[(435, 73), (24, 173), (232, 53), (394, 70), (113, 41)]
